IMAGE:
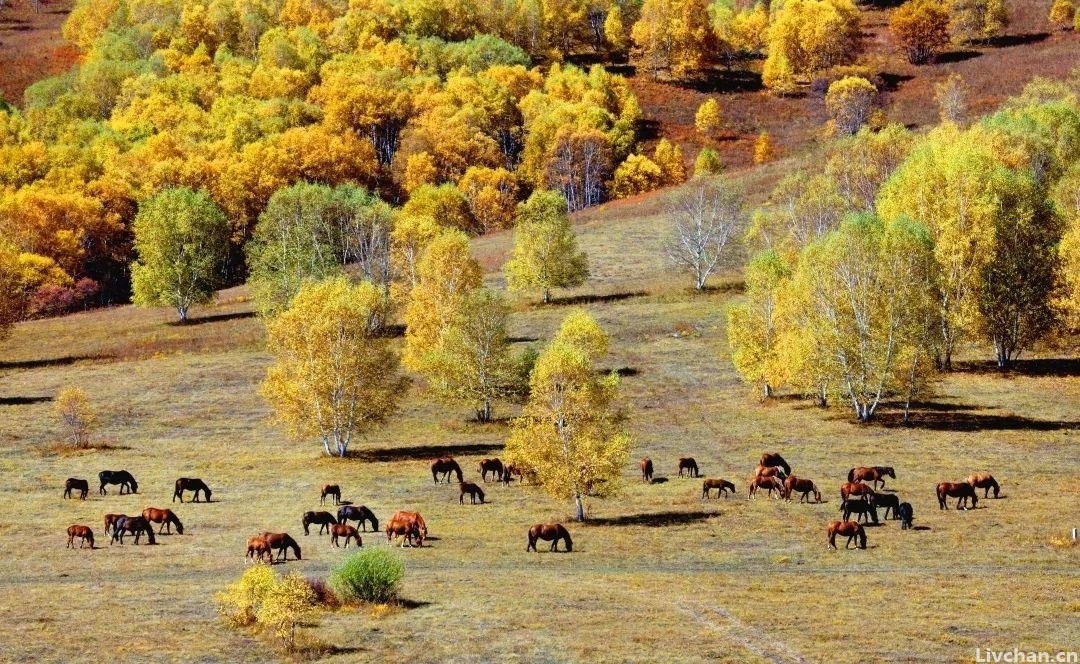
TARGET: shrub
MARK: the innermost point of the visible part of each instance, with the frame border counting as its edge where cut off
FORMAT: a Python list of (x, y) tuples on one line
[(324, 595), (849, 102), (708, 163), (372, 575), (287, 603), (78, 417), (240, 602), (637, 175)]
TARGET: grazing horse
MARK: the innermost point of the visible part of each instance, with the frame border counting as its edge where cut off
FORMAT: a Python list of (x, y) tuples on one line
[(330, 490), (190, 484), (411, 527), (856, 489), (136, 525), (770, 471), (121, 477), (257, 548), (359, 514), (493, 466), (774, 459), (444, 466), (74, 483), (646, 469), (864, 509), (414, 519), (82, 532), (889, 502), (110, 522), (473, 490), (907, 515), (165, 517), (324, 519), (552, 532), (872, 474), (282, 542), (959, 490), (850, 529), (689, 465), (769, 483), (977, 480), (339, 530), (805, 487), (721, 486)]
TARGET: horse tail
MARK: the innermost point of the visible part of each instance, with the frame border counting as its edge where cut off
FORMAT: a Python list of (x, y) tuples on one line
[(851, 475)]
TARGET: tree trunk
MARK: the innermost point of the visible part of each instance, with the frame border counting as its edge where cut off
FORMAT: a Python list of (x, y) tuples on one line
[(768, 390), (326, 446), (579, 513), (182, 312), (547, 296), (484, 414)]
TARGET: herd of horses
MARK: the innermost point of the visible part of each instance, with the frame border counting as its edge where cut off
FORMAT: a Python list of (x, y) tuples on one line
[(121, 525)]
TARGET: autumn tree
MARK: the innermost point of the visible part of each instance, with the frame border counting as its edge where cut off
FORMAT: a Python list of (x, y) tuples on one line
[(802, 208), (637, 175), (808, 36), (492, 195), (1062, 13), (754, 327), (922, 29), (77, 416), (669, 158), (951, 96), (579, 165), (181, 237), (849, 102), (705, 218), (331, 377), (570, 434), (546, 253), (287, 604), (977, 20), (764, 151), (12, 294), (446, 204), (673, 37), (707, 120), (860, 164), (409, 238)]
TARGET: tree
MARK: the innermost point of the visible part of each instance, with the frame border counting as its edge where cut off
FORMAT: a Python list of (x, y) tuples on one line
[(849, 102), (861, 164), (420, 169), (977, 20), (1069, 257), (569, 433), (578, 165), (77, 415), (444, 203), (673, 36), (492, 194), (764, 152), (288, 603), (331, 377), (669, 158), (546, 253), (951, 96), (705, 218), (637, 175), (408, 240), (777, 76), (754, 327), (12, 295), (808, 36), (802, 208), (922, 29), (707, 120), (181, 238)]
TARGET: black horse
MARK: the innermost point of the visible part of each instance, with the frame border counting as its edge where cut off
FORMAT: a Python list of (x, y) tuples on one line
[(907, 515), (74, 483), (324, 519), (360, 515), (136, 525), (864, 509), (888, 502), (190, 484), (121, 477)]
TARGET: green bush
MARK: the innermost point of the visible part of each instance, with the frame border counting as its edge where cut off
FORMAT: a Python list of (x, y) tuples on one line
[(372, 575)]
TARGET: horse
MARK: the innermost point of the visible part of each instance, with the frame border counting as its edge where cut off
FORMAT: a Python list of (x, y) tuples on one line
[(888, 501), (411, 527), (190, 484), (907, 515), (110, 521), (805, 487), (165, 517), (281, 542), (646, 469), (473, 490), (136, 525), (73, 483), (721, 486), (959, 490), (257, 548), (856, 489), (121, 477), (769, 483), (552, 532), (770, 471), (510, 470), (444, 466), (873, 474), (330, 490), (493, 466), (850, 529), (359, 514), (324, 519), (864, 509), (774, 459), (344, 530), (977, 480), (83, 533), (689, 465)]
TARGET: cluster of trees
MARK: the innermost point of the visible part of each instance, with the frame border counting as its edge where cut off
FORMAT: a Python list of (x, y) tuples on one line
[(905, 251)]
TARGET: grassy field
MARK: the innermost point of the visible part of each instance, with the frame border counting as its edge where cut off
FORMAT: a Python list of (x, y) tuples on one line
[(655, 574)]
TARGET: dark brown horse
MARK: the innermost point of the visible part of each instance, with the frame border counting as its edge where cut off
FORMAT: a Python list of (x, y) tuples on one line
[(190, 484), (258, 548), (493, 466), (549, 532), (110, 521), (689, 465), (849, 529), (872, 474), (165, 517), (83, 533), (121, 477), (721, 486), (773, 459), (473, 490), (339, 530), (282, 542), (890, 502), (324, 519), (646, 469), (857, 489), (360, 514), (135, 525), (805, 487), (511, 471), (75, 484), (979, 481), (864, 509), (962, 491), (444, 466), (330, 490), (770, 471), (770, 483), (409, 525)]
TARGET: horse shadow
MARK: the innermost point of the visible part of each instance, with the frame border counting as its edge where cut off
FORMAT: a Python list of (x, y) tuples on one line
[(919, 528), (658, 479), (344, 502), (653, 519)]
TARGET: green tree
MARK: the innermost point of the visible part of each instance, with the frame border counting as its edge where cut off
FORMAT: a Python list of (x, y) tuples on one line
[(707, 162), (12, 296), (754, 327), (546, 253)]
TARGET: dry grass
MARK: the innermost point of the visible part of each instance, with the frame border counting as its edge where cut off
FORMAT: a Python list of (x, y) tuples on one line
[(31, 47)]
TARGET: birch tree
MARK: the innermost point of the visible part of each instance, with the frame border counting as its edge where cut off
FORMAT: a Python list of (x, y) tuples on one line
[(705, 218)]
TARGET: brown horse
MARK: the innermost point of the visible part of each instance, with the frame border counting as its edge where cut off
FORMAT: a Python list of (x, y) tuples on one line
[(493, 466), (473, 490), (83, 533), (257, 548), (549, 532), (414, 527), (774, 459), (165, 517), (689, 465), (509, 471), (75, 484), (850, 529), (979, 481), (190, 484), (959, 490), (770, 471), (850, 489), (360, 514), (444, 466), (344, 530), (769, 483), (282, 542), (330, 490), (136, 525), (646, 469), (721, 486), (805, 487), (872, 474), (110, 521), (324, 519)]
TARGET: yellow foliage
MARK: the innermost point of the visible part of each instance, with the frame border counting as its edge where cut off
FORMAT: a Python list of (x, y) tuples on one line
[(673, 36), (921, 27), (546, 253), (669, 158), (764, 152), (419, 170), (285, 605), (492, 194), (408, 240), (72, 405), (12, 294), (1062, 13), (809, 36), (707, 120), (637, 175), (849, 102), (239, 603)]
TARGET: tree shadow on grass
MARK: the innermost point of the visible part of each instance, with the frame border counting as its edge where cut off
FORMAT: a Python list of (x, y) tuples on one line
[(214, 318), (971, 422), (1006, 41), (52, 362), (1057, 367), (22, 401), (595, 299), (721, 80), (956, 56), (654, 519), (423, 452)]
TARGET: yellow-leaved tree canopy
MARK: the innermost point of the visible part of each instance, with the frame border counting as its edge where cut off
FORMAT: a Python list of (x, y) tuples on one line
[(546, 253)]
